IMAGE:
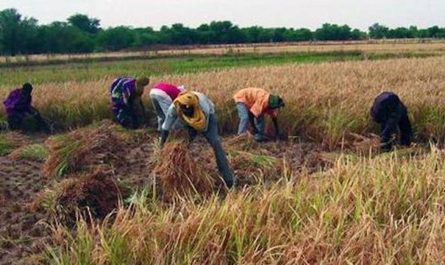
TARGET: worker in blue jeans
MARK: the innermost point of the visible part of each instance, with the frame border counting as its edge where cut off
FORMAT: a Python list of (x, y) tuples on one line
[(197, 112), (252, 104)]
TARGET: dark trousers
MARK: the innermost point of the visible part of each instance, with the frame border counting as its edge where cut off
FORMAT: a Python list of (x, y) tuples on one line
[(392, 118), (127, 117), (15, 120)]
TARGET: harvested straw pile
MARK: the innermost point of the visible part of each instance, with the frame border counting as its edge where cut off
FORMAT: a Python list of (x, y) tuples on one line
[(361, 144), (241, 142), (251, 161), (267, 162), (180, 174), (252, 169), (93, 195), (84, 149)]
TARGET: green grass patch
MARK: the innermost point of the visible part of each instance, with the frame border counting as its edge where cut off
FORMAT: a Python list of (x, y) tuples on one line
[(33, 152), (65, 146), (190, 64), (94, 70), (6, 146)]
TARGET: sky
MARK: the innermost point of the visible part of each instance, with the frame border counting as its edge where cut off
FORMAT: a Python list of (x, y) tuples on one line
[(267, 13)]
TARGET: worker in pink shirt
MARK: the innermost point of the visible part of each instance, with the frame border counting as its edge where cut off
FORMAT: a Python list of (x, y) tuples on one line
[(162, 96)]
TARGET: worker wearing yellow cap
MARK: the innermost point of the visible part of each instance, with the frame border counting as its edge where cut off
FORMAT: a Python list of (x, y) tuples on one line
[(197, 113)]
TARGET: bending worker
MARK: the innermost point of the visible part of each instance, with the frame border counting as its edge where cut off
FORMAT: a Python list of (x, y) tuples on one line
[(389, 111), (162, 96), (252, 104), (126, 97), (18, 107), (197, 112)]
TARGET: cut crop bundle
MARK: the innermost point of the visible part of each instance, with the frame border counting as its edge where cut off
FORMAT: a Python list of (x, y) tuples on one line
[(93, 195), (180, 174), (84, 149)]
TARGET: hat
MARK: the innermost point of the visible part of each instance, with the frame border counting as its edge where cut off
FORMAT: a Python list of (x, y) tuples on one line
[(275, 102), (27, 87)]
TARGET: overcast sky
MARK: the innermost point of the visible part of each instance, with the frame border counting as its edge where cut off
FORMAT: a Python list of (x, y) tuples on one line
[(268, 13)]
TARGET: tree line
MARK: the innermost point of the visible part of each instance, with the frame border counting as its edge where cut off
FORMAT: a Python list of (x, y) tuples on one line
[(83, 34)]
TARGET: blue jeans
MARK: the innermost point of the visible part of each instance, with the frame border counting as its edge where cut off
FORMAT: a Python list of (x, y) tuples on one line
[(260, 122), (212, 138), (161, 105)]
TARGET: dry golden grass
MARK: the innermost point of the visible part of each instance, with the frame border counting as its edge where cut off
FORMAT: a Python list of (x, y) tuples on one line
[(328, 100), (371, 209), (385, 210), (324, 102), (94, 194), (180, 175), (82, 150), (365, 46)]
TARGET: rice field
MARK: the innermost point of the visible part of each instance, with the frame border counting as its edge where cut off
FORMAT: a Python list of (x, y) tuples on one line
[(325, 102), (325, 196)]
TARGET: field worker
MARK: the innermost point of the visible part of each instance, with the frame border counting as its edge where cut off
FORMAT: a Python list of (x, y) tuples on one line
[(391, 114), (126, 97), (252, 104), (18, 108), (197, 112), (162, 96)]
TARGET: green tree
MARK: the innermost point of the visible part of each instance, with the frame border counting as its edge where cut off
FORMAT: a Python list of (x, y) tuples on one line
[(357, 34), (434, 31), (400, 33), (302, 34), (177, 34), (16, 34), (85, 23), (117, 38), (333, 32), (60, 37), (145, 37), (224, 32), (378, 31)]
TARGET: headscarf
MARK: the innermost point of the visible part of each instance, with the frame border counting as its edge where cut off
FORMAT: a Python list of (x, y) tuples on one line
[(198, 120), (275, 102), (141, 82), (27, 88)]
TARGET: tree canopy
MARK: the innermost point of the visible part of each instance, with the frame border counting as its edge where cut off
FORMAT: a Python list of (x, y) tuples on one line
[(83, 34)]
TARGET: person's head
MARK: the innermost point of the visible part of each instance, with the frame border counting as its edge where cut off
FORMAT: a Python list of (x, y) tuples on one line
[(275, 102), (141, 82), (187, 102), (187, 110), (27, 88)]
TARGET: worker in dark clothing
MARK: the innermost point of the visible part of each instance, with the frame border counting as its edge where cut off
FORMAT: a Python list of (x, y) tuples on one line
[(389, 111), (18, 107)]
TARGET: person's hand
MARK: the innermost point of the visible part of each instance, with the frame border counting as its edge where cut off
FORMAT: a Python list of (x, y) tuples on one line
[(163, 138), (281, 137)]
